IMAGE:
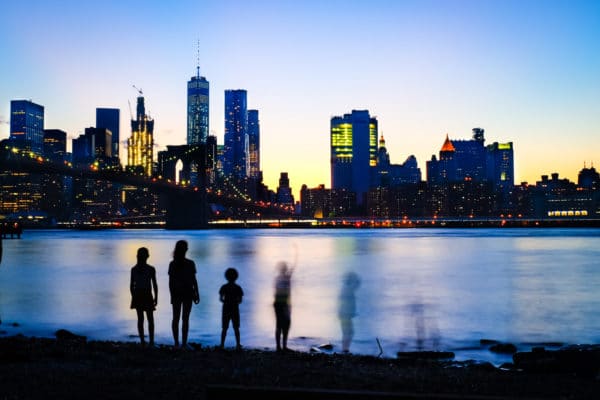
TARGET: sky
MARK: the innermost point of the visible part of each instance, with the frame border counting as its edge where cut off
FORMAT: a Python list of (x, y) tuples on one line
[(526, 71)]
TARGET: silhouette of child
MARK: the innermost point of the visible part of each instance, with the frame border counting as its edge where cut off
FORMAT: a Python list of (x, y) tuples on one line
[(231, 296), (143, 282)]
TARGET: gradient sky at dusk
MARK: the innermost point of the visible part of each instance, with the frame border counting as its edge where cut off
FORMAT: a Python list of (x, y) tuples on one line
[(526, 71)]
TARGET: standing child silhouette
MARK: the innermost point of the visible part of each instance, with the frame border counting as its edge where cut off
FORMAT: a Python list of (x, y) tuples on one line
[(142, 283), (231, 296)]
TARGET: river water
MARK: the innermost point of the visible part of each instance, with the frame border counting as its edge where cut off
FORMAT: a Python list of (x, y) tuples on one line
[(420, 289)]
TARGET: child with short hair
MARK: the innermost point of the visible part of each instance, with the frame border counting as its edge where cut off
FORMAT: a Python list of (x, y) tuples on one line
[(231, 295)]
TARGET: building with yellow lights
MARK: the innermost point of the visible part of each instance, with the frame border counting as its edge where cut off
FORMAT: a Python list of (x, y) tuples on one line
[(140, 146), (353, 152)]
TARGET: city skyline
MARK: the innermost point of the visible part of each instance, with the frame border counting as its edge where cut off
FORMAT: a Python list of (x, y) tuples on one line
[(523, 71)]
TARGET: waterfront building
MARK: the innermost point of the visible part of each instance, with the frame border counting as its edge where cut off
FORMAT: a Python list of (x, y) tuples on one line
[(284, 191), (55, 144), (253, 144), (140, 146), (27, 125), (353, 144), (443, 170), (95, 145), (197, 109), (109, 118), (501, 172), (235, 151), (470, 156), (386, 174), (588, 178)]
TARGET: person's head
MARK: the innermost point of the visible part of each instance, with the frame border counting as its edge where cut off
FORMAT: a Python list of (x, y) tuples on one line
[(181, 248), (282, 267), (142, 254), (231, 274)]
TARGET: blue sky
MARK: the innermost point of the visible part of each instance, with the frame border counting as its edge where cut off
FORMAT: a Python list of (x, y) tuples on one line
[(525, 71)]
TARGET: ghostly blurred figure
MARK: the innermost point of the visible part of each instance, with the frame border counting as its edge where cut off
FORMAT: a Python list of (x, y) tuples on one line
[(347, 308), (282, 305)]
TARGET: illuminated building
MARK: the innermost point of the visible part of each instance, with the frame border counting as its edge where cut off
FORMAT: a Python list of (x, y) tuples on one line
[(55, 144), (501, 172), (27, 125), (197, 109), (470, 157), (353, 143), (236, 135), (109, 118), (443, 170), (55, 187), (140, 146), (253, 144)]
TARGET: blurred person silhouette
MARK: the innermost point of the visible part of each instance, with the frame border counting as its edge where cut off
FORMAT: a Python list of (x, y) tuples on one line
[(347, 308), (282, 305), (142, 286), (183, 287), (1, 234), (231, 295)]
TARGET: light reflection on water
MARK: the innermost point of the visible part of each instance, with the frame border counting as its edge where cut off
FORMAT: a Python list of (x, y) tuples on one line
[(441, 289)]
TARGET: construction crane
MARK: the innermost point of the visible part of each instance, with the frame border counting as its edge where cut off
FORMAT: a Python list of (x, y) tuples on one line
[(138, 90)]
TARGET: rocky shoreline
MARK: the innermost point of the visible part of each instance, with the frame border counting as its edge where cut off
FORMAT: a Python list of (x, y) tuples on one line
[(69, 366)]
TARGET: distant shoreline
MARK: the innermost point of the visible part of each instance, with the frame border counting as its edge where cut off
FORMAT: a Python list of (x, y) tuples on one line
[(353, 223)]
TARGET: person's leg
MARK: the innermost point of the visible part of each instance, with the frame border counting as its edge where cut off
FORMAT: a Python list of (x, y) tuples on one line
[(224, 327), (140, 324), (185, 322), (286, 330), (175, 322), (278, 328), (150, 315), (235, 321)]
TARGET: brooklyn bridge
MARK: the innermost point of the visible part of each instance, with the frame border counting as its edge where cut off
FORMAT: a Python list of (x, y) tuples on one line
[(187, 207)]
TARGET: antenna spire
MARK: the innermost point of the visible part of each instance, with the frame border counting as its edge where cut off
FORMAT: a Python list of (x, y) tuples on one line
[(198, 59)]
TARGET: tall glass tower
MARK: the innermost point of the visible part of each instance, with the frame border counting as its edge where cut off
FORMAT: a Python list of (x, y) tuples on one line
[(27, 125), (140, 146), (236, 134), (353, 151), (197, 109), (253, 144), (109, 118)]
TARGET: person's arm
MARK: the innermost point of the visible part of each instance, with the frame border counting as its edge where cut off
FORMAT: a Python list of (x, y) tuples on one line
[(131, 283), (195, 283), (155, 287)]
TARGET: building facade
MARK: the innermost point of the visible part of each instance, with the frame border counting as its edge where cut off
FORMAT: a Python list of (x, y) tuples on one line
[(140, 146), (27, 125), (236, 135), (253, 144), (110, 118), (197, 109), (353, 144)]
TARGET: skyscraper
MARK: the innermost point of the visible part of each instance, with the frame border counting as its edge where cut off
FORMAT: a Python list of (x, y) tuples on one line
[(501, 169), (27, 125), (353, 152), (140, 146), (236, 134), (253, 144), (197, 109), (109, 118), (55, 144)]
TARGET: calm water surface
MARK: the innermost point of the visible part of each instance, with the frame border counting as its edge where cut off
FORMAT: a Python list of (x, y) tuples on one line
[(433, 289)]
